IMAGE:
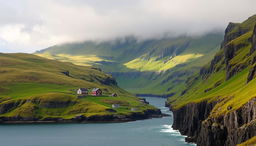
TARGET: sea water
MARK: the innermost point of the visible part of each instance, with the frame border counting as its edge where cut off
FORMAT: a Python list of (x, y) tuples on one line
[(150, 132)]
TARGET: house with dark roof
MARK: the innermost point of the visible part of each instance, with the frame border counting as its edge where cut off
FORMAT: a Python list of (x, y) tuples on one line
[(96, 92), (114, 95)]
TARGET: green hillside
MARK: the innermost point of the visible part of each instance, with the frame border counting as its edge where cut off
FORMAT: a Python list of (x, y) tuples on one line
[(156, 66), (217, 107), (229, 77), (34, 88)]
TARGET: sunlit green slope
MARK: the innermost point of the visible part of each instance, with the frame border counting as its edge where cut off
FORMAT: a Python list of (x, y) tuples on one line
[(156, 66), (230, 77), (33, 88)]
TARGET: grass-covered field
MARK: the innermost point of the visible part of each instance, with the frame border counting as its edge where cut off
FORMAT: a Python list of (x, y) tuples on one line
[(35, 88), (85, 60), (153, 64), (20, 90), (67, 106)]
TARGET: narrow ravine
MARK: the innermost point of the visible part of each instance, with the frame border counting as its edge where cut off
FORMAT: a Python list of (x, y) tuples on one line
[(150, 132)]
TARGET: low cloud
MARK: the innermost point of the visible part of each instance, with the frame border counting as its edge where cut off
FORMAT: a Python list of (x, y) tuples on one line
[(29, 25)]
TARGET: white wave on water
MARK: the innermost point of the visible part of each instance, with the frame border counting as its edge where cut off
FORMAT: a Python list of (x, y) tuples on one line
[(169, 129), (165, 110)]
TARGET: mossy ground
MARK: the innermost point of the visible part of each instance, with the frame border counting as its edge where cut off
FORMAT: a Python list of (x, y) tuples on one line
[(68, 106), (39, 88)]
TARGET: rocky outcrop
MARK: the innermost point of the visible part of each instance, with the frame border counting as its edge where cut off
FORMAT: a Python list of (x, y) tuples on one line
[(252, 72), (108, 81), (9, 105), (207, 123), (66, 73), (230, 49), (227, 130), (253, 49), (188, 119), (233, 31), (206, 70), (229, 53)]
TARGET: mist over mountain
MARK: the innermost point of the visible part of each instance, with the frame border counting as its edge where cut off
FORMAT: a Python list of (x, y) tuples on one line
[(30, 25), (153, 66), (91, 61)]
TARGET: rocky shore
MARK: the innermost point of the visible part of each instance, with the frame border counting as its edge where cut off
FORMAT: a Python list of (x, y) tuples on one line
[(228, 130)]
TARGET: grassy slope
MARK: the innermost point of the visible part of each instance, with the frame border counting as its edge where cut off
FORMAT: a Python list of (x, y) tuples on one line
[(168, 56), (170, 81), (153, 64), (25, 68), (35, 87), (233, 92), (250, 142)]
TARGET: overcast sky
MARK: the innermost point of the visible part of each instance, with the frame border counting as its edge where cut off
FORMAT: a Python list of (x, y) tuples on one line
[(29, 25)]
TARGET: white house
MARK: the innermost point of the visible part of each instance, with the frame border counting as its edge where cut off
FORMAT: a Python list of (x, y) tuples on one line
[(82, 91), (115, 105)]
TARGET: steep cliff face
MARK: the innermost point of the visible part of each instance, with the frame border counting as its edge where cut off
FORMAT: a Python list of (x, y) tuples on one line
[(219, 105), (188, 118), (253, 49), (252, 73), (230, 129), (227, 130)]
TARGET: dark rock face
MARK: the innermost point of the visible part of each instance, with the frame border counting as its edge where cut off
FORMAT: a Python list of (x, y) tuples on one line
[(188, 118), (253, 49), (231, 49), (108, 81), (227, 130), (229, 52), (207, 70), (66, 73), (237, 125), (230, 34), (252, 72), (227, 37), (8, 106)]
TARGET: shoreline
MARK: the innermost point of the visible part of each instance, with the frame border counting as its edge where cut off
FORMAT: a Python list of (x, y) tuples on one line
[(155, 95), (204, 130), (148, 114), (74, 122)]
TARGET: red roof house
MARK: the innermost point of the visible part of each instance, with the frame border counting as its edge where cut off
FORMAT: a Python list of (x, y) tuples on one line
[(96, 92)]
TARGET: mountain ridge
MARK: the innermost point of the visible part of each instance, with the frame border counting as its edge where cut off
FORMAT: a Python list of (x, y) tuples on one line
[(222, 95), (141, 67)]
